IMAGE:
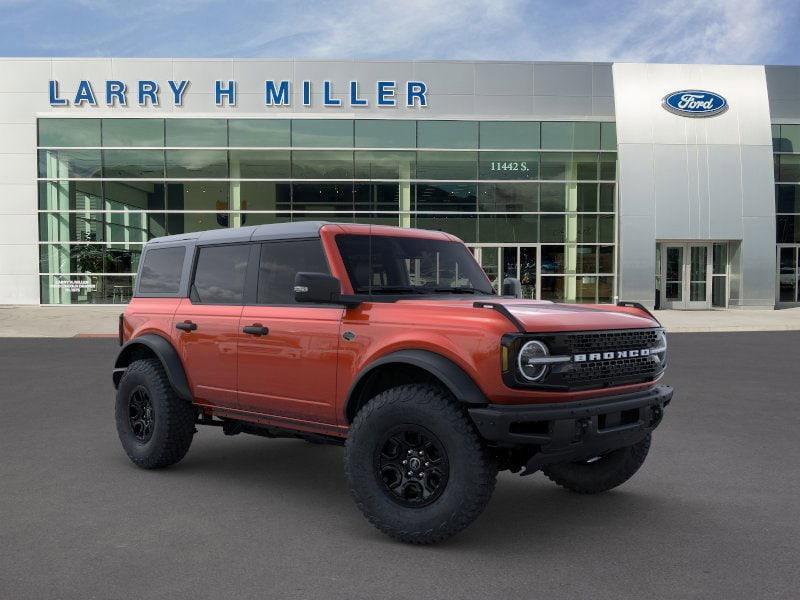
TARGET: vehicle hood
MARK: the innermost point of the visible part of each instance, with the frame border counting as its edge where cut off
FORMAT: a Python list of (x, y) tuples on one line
[(543, 316), (547, 316)]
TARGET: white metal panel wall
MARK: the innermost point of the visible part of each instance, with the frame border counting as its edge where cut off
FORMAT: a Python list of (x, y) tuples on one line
[(21, 95), (695, 178)]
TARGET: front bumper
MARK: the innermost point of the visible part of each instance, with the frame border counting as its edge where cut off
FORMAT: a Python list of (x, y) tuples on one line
[(572, 431)]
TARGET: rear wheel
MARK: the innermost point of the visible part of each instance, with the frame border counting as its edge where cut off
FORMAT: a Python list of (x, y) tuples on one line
[(600, 473), (415, 465), (153, 424)]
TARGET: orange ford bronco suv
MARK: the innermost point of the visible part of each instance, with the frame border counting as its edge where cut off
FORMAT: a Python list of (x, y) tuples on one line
[(391, 342)]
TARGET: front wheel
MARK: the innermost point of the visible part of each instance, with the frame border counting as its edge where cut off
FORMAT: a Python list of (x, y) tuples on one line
[(600, 473), (415, 465)]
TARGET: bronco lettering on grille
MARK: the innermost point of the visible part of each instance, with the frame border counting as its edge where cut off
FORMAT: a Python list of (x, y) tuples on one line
[(595, 356)]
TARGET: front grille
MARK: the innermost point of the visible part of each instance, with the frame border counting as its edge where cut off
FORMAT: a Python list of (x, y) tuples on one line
[(643, 367), (604, 341), (589, 373), (610, 371)]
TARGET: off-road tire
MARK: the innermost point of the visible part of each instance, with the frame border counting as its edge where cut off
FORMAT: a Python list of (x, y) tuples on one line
[(607, 472), (173, 418), (472, 471)]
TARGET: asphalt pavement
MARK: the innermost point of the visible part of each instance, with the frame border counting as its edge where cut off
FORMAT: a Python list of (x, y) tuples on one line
[(714, 512)]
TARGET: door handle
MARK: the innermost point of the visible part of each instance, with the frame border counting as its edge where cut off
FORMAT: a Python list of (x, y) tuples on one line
[(186, 326), (255, 329)]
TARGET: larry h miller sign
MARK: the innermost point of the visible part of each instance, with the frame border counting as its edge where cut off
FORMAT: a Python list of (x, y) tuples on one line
[(276, 93)]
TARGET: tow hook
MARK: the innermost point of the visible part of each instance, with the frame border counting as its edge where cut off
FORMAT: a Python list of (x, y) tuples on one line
[(581, 426), (657, 413)]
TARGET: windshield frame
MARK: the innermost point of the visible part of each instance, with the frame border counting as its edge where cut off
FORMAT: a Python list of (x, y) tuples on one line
[(477, 282)]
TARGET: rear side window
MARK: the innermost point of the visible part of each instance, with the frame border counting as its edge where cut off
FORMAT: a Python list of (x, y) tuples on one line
[(280, 262), (161, 270), (220, 274)]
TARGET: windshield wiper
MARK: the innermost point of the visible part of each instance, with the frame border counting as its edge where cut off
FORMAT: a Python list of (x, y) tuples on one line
[(390, 289), (464, 289)]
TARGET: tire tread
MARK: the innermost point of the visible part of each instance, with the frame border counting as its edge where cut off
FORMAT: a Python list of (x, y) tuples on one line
[(482, 477), (178, 417)]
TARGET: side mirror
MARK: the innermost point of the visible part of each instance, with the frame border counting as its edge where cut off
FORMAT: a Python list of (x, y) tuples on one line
[(318, 288), (512, 287)]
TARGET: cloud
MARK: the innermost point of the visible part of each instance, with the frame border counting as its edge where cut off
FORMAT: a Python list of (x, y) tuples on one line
[(712, 31), (413, 28), (683, 31), (709, 31)]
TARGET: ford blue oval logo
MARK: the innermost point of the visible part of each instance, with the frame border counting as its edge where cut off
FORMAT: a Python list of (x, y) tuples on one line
[(695, 103)]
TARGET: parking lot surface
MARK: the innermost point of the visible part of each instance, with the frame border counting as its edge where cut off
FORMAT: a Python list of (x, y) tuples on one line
[(714, 512)]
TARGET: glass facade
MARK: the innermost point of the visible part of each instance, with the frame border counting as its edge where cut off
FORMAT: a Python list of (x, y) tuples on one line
[(786, 148), (534, 200)]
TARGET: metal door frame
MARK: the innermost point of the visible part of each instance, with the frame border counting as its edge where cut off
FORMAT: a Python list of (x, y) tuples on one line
[(685, 303), (796, 248), (699, 304)]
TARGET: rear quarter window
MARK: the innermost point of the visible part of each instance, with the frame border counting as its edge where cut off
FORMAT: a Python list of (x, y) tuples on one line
[(219, 276), (161, 270)]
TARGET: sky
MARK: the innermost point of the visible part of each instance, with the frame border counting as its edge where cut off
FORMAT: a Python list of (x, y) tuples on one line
[(679, 31)]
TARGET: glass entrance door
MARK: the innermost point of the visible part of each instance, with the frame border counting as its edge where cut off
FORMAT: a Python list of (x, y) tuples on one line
[(672, 261), (788, 274), (699, 276), (686, 275), (515, 261)]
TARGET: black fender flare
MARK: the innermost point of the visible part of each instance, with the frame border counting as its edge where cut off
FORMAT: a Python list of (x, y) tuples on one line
[(461, 385), (165, 353)]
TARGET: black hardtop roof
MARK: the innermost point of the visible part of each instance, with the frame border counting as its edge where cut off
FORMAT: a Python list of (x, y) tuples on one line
[(275, 231)]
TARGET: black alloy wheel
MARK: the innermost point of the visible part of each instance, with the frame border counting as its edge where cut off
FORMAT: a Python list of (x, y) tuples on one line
[(411, 465), (154, 425), (415, 465), (140, 414)]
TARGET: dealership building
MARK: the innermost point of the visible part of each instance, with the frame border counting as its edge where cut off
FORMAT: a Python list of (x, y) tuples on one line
[(676, 186)]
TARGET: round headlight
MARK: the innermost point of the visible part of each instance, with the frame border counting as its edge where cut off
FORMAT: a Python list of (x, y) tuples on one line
[(528, 360), (660, 351)]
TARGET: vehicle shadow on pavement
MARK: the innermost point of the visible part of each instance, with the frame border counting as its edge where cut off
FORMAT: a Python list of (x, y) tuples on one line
[(534, 512), (525, 513)]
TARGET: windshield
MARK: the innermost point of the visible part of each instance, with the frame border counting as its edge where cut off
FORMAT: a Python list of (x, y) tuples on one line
[(407, 265)]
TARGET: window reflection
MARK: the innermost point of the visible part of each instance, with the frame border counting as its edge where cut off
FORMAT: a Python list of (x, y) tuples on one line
[(259, 133), (131, 164), (322, 133), (197, 163), (133, 132), (545, 191), (67, 164), (65, 133), (196, 133), (383, 133), (454, 197), (447, 165), (447, 134), (320, 164), (509, 134)]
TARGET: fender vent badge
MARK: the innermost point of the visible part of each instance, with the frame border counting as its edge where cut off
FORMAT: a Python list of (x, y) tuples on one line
[(349, 335)]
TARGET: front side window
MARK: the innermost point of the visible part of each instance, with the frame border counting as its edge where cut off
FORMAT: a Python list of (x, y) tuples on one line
[(161, 270), (280, 262), (406, 265), (220, 274)]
